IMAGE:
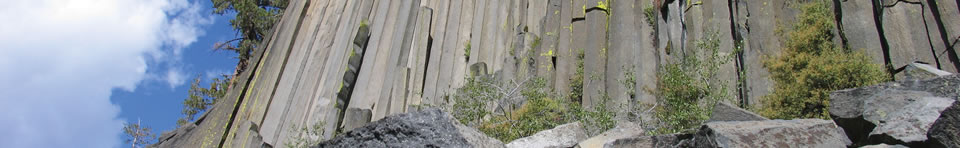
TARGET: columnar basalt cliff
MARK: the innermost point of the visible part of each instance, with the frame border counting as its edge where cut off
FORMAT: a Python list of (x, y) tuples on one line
[(344, 63)]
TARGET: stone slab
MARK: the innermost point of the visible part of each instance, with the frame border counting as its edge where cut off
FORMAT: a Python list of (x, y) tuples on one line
[(726, 112), (566, 135), (771, 133), (623, 130)]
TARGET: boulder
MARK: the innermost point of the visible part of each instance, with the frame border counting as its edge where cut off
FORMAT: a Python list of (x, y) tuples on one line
[(477, 138), (356, 117), (771, 133), (902, 112), (426, 128), (566, 135), (916, 71), (908, 122), (623, 130), (945, 130), (885, 146), (726, 112), (659, 141)]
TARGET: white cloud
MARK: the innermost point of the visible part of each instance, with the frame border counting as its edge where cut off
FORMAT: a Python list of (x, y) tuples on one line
[(175, 77), (60, 59)]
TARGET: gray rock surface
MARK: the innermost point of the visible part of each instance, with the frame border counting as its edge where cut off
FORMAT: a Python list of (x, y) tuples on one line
[(356, 117), (566, 135), (659, 141), (908, 39), (896, 113), (915, 71), (426, 128), (477, 138), (726, 112), (623, 130), (884, 146), (771, 133), (945, 130)]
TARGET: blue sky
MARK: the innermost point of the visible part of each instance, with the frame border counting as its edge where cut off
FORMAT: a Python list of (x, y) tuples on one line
[(156, 103), (73, 71)]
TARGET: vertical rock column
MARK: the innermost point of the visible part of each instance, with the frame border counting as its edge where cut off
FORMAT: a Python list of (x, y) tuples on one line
[(566, 57), (358, 98), (346, 55), (762, 41), (449, 47), (859, 27), (625, 43), (459, 73), (595, 53), (546, 52), (646, 61), (906, 34), (946, 15), (395, 77), (431, 87), (418, 57)]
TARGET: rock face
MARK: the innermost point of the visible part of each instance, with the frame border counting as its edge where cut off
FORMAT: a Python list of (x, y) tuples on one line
[(771, 133), (660, 141), (897, 112), (918, 71), (427, 128), (946, 129), (343, 63), (623, 130), (726, 112), (566, 135)]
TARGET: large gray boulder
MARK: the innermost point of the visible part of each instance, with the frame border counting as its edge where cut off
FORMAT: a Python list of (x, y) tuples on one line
[(623, 130), (771, 133), (726, 112), (566, 135), (885, 146), (946, 131), (658, 141), (426, 128), (902, 112), (919, 71)]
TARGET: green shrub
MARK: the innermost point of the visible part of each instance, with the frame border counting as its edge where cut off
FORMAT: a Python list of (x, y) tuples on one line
[(811, 66), (541, 110), (576, 82), (200, 99), (306, 136), (650, 14), (689, 89)]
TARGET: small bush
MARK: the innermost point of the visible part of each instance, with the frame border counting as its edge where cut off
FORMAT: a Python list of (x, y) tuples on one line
[(650, 14), (811, 66), (306, 136), (688, 90), (576, 82), (200, 99), (541, 110)]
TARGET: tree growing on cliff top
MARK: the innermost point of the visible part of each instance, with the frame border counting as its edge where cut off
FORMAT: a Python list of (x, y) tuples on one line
[(811, 66), (137, 135), (199, 99), (253, 20)]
